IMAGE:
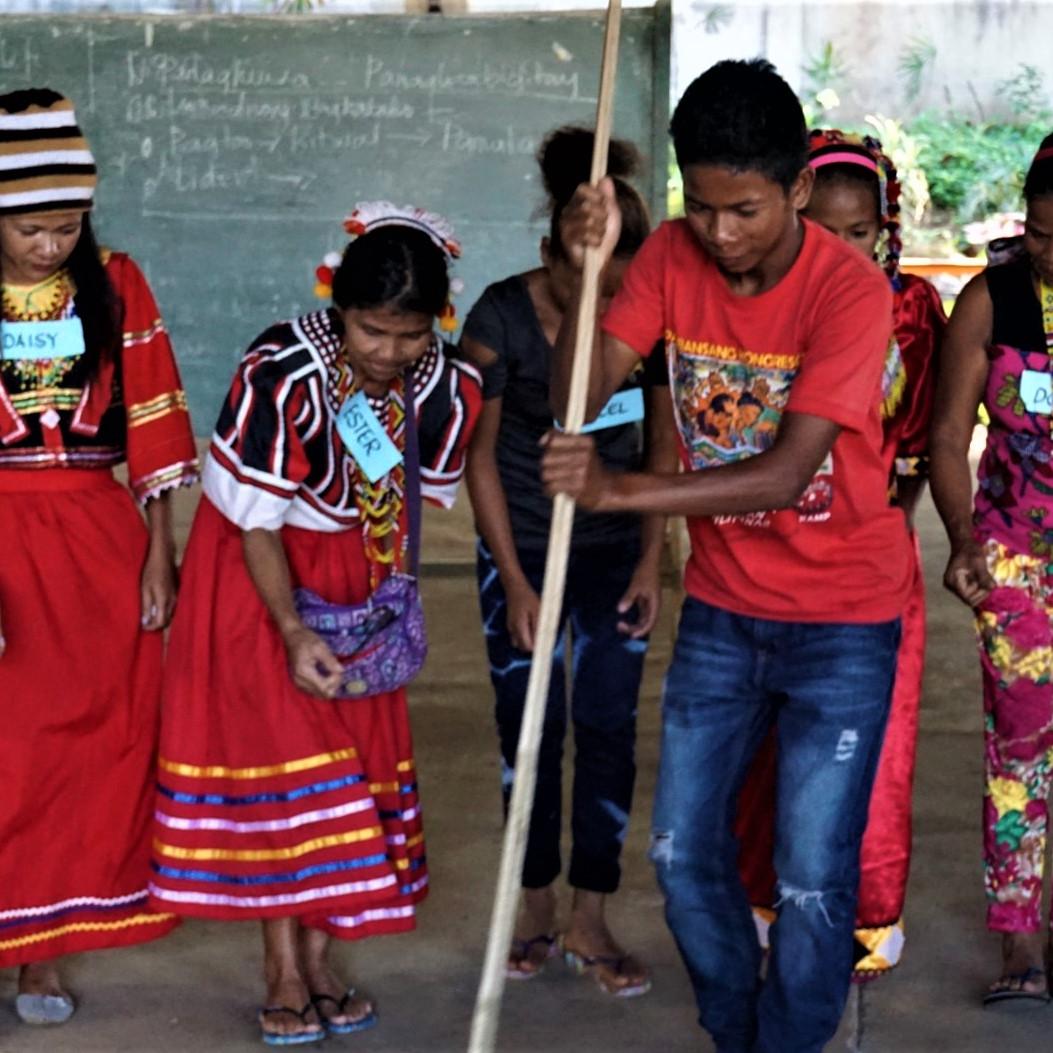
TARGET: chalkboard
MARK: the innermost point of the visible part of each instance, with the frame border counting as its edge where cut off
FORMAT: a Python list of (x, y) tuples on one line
[(231, 148)]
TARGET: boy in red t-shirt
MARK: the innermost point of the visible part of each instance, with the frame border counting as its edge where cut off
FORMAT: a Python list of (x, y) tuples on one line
[(775, 334)]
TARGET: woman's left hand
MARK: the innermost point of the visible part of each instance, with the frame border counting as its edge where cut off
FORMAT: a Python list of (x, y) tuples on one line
[(158, 588), (645, 594)]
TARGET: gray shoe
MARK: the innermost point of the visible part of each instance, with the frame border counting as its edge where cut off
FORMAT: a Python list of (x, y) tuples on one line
[(44, 1010)]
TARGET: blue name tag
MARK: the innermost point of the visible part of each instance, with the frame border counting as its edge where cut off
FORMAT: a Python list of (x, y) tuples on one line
[(39, 341), (623, 407), (1036, 391), (365, 437)]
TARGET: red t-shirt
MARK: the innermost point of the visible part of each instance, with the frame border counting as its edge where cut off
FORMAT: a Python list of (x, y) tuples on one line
[(815, 344)]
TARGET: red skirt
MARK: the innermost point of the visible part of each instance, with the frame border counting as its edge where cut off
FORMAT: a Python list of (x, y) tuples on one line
[(79, 686), (885, 853), (272, 803)]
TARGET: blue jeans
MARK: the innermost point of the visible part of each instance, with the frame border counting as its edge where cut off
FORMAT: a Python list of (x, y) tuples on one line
[(607, 666), (826, 687)]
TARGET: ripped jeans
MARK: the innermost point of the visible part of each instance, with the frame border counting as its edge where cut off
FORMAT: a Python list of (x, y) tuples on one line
[(826, 687)]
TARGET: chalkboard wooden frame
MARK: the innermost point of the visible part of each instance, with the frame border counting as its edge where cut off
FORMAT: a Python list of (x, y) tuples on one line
[(230, 147)]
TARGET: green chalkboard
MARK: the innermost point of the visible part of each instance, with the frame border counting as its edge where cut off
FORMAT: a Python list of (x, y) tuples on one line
[(230, 148)]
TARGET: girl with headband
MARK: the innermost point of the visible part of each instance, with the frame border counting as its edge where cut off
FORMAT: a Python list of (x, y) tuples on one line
[(87, 381), (613, 588), (287, 790), (997, 354), (856, 196)]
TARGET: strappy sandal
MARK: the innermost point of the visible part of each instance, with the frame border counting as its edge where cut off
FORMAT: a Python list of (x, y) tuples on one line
[(520, 952), (342, 1005), (313, 1032), (584, 964), (1018, 995)]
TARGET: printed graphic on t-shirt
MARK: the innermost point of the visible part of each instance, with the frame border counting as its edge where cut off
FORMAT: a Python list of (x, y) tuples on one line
[(729, 402)]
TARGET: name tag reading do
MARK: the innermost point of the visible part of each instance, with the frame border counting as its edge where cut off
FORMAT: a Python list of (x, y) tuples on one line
[(365, 438), (1036, 391)]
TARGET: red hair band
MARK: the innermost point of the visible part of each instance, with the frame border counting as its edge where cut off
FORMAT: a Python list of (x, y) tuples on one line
[(1042, 155)]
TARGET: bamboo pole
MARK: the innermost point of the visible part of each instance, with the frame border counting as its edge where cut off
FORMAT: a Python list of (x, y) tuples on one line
[(506, 898)]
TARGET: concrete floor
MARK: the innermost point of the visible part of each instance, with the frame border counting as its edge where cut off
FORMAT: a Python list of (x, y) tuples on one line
[(196, 990)]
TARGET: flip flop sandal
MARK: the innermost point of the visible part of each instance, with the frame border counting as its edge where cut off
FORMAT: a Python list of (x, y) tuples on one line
[(520, 951), (296, 1038), (582, 964), (44, 1010), (1031, 999), (342, 1004)]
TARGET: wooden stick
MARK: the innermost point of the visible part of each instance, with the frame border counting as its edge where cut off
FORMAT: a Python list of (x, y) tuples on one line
[(502, 922)]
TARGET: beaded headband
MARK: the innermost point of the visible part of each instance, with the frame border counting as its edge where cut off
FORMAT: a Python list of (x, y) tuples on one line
[(827, 146), (368, 216)]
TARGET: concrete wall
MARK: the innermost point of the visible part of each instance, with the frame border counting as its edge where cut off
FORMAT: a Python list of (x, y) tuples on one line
[(973, 44)]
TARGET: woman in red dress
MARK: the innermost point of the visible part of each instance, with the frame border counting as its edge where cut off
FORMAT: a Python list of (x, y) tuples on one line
[(856, 197), (87, 380), (277, 801)]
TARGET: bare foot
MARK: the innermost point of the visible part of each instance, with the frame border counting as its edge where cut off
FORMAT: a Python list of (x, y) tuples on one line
[(288, 1010), (1023, 968), (41, 978), (597, 952), (535, 933), (333, 1000)]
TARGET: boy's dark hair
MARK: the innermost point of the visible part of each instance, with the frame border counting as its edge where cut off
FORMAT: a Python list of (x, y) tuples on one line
[(395, 267), (1039, 181), (565, 159), (742, 115)]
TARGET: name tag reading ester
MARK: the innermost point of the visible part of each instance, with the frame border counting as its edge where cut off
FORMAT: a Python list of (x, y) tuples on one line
[(1036, 391), (623, 407), (40, 341), (365, 437)]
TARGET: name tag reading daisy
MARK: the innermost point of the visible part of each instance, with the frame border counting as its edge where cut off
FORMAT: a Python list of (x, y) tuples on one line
[(365, 437), (41, 341), (1036, 391)]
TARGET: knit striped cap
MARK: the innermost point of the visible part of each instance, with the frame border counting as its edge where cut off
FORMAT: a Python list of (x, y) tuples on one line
[(45, 163)]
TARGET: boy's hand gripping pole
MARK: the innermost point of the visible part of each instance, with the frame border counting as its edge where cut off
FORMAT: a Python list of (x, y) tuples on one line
[(502, 922)]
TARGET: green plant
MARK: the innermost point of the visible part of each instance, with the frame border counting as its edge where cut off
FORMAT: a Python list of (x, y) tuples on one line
[(717, 17), (1025, 92), (824, 70), (975, 168), (674, 188), (905, 151), (914, 60)]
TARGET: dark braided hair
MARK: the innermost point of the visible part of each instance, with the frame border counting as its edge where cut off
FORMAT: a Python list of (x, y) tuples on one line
[(873, 170), (565, 159)]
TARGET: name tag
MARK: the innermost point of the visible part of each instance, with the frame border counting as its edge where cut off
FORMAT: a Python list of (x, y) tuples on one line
[(1036, 391), (365, 437), (38, 341), (623, 407)]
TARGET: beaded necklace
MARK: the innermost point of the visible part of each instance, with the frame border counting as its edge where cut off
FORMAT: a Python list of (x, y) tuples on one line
[(380, 504), (41, 302), (1045, 296)]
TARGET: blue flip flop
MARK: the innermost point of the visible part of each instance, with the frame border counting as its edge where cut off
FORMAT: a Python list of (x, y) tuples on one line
[(44, 1010), (296, 1038), (368, 1021)]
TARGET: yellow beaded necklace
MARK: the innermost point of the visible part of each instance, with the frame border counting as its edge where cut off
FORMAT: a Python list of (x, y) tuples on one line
[(379, 504), (34, 303)]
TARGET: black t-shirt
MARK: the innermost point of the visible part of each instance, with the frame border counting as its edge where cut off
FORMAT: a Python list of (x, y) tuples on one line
[(504, 320)]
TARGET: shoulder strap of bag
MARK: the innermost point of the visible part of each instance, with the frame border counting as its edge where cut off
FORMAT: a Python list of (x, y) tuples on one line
[(413, 494)]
